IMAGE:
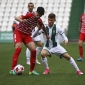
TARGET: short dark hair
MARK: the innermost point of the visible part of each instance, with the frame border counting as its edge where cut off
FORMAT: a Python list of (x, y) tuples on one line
[(52, 15), (30, 3), (41, 10)]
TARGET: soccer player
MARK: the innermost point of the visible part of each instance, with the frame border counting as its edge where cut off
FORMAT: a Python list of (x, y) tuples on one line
[(36, 39), (81, 36), (14, 25), (52, 45), (23, 32)]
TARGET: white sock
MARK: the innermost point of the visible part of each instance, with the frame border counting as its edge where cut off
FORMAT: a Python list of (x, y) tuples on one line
[(38, 49), (28, 54), (45, 62), (73, 63)]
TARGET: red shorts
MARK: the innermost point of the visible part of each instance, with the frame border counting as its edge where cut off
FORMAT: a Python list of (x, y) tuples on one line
[(82, 37), (21, 37)]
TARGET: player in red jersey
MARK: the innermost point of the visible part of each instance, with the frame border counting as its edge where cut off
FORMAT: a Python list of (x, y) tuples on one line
[(36, 39), (14, 25), (22, 33), (81, 36)]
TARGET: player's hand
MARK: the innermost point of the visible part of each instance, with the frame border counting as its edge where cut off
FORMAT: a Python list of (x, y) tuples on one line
[(65, 42), (24, 20), (47, 36)]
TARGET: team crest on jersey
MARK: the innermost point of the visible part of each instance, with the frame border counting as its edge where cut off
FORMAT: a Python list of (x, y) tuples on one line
[(53, 31)]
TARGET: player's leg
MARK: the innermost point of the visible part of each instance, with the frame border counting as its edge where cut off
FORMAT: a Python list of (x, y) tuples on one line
[(45, 53), (81, 39), (80, 50), (60, 51), (18, 47), (39, 44), (28, 56), (72, 62), (38, 49), (31, 46)]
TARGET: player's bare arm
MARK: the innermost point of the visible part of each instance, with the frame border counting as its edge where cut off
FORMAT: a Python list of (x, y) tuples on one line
[(79, 26), (19, 18)]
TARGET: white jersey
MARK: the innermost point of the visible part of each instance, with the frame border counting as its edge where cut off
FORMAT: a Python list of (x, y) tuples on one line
[(58, 31), (37, 37), (54, 46)]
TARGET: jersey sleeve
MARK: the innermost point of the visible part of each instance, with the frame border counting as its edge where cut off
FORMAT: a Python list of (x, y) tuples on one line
[(59, 29), (61, 32)]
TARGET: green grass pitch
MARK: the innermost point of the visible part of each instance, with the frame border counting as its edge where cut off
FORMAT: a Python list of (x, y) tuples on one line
[(61, 72)]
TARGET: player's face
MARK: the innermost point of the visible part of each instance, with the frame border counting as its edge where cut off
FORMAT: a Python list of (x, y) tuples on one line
[(51, 21), (30, 7)]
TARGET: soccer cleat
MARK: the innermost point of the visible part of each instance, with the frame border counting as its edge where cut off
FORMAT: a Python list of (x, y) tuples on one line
[(33, 73), (47, 71), (37, 62), (79, 72), (12, 72), (80, 59)]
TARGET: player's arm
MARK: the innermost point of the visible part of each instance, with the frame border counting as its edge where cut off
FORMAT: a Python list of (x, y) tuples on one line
[(23, 17), (19, 18), (80, 23), (42, 26), (61, 32), (79, 26), (44, 29)]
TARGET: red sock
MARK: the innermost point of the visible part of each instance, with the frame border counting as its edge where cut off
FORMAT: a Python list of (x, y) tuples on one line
[(81, 51), (32, 60), (15, 57)]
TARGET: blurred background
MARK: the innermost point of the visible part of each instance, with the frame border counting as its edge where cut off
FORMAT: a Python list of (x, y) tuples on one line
[(67, 12)]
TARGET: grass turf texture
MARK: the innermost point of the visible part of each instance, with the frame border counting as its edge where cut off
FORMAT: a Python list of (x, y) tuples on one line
[(61, 72)]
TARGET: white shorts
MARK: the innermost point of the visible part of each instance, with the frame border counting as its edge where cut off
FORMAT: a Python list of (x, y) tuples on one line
[(37, 38), (58, 50)]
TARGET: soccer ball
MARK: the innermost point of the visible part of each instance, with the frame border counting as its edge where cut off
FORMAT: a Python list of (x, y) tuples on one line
[(19, 69)]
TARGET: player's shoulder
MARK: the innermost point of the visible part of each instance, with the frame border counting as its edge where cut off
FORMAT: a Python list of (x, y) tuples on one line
[(40, 19), (30, 13), (57, 26)]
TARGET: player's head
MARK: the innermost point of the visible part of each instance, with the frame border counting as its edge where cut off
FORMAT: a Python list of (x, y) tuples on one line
[(30, 7), (51, 19), (40, 11)]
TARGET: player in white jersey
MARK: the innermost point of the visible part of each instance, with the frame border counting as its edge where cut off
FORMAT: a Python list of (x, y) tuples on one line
[(36, 39), (52, 46)]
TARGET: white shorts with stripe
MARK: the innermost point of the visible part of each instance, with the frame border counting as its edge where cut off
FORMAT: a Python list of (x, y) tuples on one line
[(58, 50)]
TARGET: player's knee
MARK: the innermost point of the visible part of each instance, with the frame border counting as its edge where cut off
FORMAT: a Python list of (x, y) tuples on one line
[(43, 54), (80, 43), (67, 56)]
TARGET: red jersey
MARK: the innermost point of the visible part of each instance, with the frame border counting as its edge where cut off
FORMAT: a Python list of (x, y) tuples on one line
[(82, 21), (32, 22)]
